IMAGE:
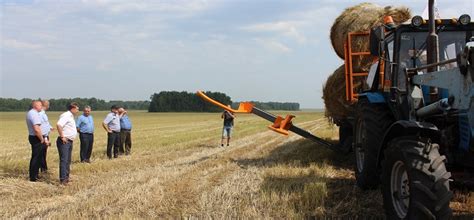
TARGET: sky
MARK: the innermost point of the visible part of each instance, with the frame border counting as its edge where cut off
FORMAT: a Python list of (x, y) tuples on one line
[(127, 50)]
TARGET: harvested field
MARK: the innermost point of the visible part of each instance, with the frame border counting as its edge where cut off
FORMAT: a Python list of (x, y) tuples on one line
[(177, 170)]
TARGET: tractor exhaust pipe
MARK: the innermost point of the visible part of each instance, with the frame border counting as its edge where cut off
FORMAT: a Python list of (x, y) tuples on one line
[(433, 47)]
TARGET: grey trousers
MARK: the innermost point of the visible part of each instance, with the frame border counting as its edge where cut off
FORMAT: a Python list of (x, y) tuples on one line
[(65, 152)]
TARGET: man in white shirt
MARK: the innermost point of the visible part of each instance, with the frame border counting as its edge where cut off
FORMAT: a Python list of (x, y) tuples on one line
[(67, 133)]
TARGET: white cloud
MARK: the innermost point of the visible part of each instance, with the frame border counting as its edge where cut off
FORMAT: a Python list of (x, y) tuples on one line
[(308, 26), (273, 45), (105, 66), (183, 6), (285, 28), (18, 44)]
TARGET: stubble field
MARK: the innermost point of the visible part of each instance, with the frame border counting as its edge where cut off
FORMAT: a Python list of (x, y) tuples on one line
[(177, 169)]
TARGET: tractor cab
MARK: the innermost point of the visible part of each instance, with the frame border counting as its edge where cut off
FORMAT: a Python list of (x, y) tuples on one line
[(406, 47)]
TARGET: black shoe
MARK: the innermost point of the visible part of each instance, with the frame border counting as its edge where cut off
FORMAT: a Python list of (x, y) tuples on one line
[(115, 156)]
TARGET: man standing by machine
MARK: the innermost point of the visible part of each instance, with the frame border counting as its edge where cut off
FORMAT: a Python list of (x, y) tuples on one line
[(228, 125)]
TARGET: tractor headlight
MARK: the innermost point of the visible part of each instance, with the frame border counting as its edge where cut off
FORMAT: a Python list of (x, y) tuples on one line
[(464, 19), (417, 21)]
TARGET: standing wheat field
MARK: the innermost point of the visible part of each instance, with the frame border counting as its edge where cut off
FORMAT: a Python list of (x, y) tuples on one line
[(177, 170)]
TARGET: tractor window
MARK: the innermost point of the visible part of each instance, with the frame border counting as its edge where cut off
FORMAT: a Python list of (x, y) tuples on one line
[(413, 50), (451, 44), (389, 61), (390, 50), (411, 44)]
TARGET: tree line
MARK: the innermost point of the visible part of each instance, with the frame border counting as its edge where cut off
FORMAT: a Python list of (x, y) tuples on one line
[(10, 104), (173, 101), (165, 101)]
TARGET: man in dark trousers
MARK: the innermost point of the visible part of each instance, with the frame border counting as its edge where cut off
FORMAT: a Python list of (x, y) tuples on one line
[(67, 133), (112, 125), (85, 127), (46, 128), (35, 137), (228, 125), (125, 132)]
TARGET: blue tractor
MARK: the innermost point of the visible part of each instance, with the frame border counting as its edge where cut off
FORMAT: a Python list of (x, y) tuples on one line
[(412, 129)]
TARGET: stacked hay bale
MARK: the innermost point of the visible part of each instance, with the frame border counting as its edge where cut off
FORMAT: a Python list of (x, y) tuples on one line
[(334, 95), (361, 17)]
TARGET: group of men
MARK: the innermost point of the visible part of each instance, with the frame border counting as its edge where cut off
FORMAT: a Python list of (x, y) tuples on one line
[(117, 124)]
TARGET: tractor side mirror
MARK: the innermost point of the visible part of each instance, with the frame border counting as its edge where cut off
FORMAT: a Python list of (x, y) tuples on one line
[(376, 41)]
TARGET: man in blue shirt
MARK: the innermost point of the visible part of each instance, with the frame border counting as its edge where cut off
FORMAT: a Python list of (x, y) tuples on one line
[(85, 127), (125, 132), (35, 137), (111, 124), (46, 128)]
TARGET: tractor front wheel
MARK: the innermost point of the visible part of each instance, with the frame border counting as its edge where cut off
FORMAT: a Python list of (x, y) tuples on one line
[(415, 183)]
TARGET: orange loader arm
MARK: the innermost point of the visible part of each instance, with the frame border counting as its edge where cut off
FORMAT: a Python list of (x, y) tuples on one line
[(279, 124)]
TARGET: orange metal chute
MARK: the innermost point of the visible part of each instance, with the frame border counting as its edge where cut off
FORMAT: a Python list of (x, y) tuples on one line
[(244, 107), (282, 125)]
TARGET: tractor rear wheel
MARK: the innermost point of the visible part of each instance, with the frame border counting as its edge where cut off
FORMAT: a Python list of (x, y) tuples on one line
[(415, 183), (372, 120)]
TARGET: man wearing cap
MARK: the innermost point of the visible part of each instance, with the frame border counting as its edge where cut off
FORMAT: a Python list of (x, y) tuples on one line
[(111, 124), (67, 133), (85, 127), (35, 137), (46, 128)]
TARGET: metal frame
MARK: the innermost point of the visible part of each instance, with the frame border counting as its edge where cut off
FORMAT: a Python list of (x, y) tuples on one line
[(351, 95)]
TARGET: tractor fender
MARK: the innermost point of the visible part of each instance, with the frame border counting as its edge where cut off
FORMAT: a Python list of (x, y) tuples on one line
[(373, 97), (403, 128)]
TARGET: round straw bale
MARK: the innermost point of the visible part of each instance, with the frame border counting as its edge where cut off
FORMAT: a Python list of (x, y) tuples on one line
[(362, 17), (334, 95)]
